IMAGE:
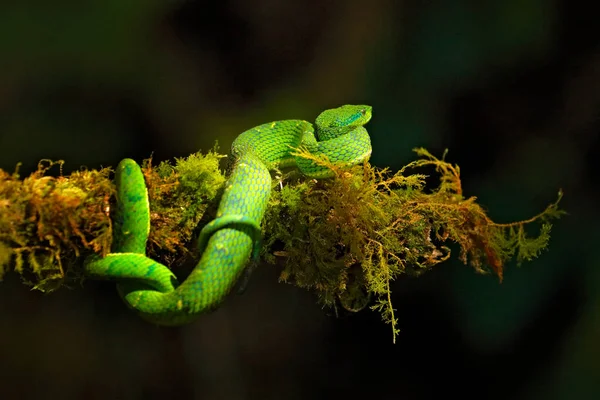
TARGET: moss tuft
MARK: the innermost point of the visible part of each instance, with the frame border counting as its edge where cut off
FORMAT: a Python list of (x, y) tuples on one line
[(347, 238), (46, 222)]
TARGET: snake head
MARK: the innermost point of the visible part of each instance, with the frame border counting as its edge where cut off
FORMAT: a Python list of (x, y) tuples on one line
[(338, 121)]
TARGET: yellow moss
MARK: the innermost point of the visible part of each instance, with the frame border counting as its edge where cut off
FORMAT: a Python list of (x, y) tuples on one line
[(6, 254), (46, 220)]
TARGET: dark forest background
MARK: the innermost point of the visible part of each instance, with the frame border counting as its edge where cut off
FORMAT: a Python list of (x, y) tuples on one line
[(511, 88)]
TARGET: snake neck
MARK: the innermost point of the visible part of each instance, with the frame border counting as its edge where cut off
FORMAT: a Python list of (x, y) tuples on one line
[(272, 143)]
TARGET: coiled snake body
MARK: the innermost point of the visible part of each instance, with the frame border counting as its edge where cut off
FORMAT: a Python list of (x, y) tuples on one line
[(228, 241)]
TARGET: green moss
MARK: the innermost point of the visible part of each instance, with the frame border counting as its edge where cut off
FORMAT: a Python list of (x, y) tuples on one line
[(180, 196), (345, 238)]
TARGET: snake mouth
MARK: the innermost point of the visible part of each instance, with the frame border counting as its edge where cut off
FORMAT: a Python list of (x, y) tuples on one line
[(367, 113)]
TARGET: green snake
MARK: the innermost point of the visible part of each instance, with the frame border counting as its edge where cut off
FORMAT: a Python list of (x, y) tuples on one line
[(227, 242)]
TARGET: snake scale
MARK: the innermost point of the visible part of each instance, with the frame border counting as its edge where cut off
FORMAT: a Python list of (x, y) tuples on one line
[(227, 242)]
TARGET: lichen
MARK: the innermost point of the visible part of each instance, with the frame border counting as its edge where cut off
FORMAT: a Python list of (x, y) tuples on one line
[(345, 238)]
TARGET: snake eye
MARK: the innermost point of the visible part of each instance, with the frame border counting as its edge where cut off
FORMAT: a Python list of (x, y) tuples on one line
[(363, 111)]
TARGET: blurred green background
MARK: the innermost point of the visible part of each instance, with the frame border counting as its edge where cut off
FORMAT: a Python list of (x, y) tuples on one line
[(512, 88)]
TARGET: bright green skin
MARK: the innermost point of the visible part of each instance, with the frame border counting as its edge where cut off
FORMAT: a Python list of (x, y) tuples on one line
[(227, 242)]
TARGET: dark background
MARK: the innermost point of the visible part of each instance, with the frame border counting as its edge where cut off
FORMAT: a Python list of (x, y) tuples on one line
[(511, 87)]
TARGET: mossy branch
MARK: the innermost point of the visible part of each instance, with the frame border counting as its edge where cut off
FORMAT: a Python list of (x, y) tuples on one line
[(345, 238)]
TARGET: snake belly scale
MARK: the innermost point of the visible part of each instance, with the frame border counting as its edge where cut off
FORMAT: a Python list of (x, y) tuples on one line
[(227, 242)]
